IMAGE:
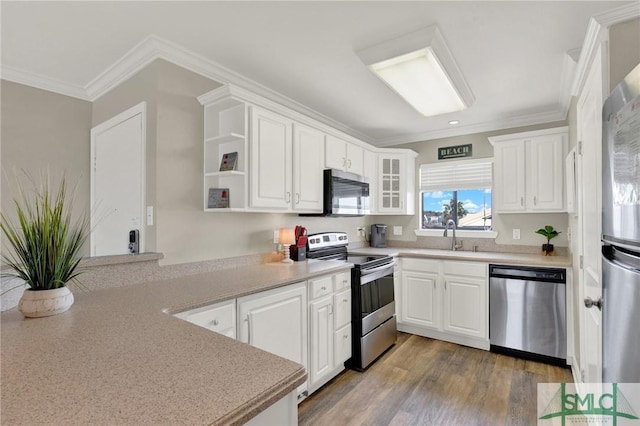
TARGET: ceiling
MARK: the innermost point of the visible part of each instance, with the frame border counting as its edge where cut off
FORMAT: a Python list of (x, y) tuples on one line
[(511, 53)]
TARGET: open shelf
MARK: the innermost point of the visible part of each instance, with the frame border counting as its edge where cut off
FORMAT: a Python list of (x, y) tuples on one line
[(230, 137), (225, 173)]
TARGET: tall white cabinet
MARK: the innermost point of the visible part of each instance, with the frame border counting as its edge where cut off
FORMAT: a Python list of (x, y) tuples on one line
[(529, 171)]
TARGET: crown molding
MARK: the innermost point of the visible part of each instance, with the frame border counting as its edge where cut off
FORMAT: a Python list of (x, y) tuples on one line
[(43, 82), (154, 47), (596, 34), (506, 123)]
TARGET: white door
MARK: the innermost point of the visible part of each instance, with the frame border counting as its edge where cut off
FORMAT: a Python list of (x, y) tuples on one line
[(308, 163), (276, 321), (271, 144), (420, 299), (508, 180), (355, 159), (118, 182), (465, 306), (335, 153), (589, 117), (545, 160), (321, 337)]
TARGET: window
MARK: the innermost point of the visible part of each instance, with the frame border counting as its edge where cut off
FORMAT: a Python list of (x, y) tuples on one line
[(464, 184)]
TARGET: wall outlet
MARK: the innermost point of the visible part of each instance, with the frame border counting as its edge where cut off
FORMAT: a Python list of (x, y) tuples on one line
[(361, 232), (397, 230), (516, 234), (276, 236)]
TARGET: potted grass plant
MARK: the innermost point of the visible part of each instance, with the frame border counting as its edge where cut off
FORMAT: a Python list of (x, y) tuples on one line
[(44, 247), (549, 233)]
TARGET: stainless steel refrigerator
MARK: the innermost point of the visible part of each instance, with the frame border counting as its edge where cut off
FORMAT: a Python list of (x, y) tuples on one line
[(621, 232)]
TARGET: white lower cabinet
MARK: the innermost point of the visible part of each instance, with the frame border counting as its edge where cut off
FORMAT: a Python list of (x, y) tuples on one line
[(307, 322), (329, 327), (220, 317), (446, 300), (276, 321)]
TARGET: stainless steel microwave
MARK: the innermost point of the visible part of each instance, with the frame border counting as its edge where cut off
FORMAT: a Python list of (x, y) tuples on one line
[(345, 194)]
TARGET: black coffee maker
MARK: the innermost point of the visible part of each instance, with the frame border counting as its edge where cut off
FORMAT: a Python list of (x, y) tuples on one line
[(378, 235)]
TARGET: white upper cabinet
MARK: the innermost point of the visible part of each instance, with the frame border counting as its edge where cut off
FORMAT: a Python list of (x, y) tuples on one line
[(395, 188), (280, 155), (343, 155), (308, 155), (529, 171), (271, 160)]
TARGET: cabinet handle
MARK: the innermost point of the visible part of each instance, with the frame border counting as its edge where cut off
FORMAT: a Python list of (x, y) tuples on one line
[(288, 197), (297, 198), (215, 322), (445, 285), (344, 161), (348, 164), (323, 288), (434, 284), (521, 201), (345, 336), (345, 300), (248, 328), (535, 201)]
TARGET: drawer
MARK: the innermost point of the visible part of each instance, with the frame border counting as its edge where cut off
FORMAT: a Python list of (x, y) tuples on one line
[(320, 287), (466, 269), (342, 344), (220, 317), (342, 280), (420, 265)]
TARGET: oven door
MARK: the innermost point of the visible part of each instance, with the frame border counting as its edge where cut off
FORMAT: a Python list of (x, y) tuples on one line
[(376, 297)]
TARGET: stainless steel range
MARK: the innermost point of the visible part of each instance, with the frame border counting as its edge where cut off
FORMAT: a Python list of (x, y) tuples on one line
[(373, 309)]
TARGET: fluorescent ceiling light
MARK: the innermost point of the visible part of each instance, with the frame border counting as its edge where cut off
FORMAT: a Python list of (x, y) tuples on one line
[(420, 68)]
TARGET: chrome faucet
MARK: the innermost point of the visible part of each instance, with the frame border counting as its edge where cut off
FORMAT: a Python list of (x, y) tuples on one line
[(454, 245)]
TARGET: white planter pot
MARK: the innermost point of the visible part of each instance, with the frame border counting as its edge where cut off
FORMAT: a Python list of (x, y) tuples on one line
[(44, 303)]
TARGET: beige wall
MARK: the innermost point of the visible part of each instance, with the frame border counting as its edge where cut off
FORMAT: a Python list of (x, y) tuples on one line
[(43, 131), (183, 231), (141, 87), (624, 50), (502, 223)]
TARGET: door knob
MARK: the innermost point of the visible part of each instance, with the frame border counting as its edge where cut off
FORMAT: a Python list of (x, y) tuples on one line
[(589, 302)]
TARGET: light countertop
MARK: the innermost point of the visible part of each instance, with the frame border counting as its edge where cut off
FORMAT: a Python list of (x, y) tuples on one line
[(490, 257), (119, 357)]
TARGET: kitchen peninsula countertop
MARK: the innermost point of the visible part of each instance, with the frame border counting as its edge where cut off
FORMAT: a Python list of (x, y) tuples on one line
[(118, 356), (490, 257)]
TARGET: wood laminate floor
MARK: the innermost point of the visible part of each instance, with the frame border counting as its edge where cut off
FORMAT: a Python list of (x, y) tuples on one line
[(422, 381)]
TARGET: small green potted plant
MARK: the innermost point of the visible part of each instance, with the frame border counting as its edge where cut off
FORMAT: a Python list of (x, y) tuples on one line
[(44, 247), (549, 233)]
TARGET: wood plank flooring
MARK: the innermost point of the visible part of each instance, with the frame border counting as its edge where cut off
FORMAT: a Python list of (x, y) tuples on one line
[(423, 381)]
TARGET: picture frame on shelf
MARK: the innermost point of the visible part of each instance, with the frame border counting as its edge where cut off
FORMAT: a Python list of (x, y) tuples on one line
[(218, 198), (229, 161)]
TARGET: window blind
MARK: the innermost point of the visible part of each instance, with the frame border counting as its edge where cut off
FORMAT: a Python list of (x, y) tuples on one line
[(454, 175)]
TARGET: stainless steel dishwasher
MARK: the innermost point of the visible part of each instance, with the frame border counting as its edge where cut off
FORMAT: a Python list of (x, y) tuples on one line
[(527, 312)]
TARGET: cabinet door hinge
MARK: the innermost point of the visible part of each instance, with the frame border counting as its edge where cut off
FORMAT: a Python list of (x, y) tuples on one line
[(581, 262)]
